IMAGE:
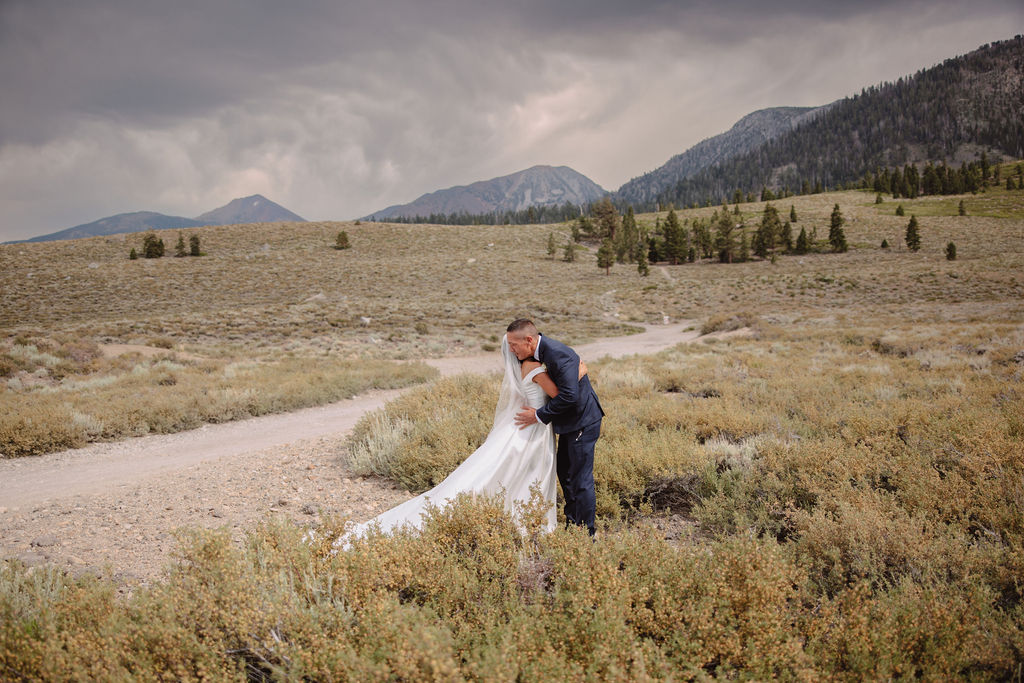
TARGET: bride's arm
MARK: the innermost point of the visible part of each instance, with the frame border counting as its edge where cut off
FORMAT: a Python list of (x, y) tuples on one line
[(548, 385)]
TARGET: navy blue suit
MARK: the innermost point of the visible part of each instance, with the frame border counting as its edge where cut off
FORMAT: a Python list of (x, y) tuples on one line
[(575, 415)]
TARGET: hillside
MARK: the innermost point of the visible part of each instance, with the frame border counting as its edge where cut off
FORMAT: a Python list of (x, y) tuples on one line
[(750, 132), (252, 209), (136, 221), (536, 186), (951, 112)]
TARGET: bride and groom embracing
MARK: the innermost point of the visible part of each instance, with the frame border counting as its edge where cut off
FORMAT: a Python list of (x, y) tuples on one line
[(545, 391)]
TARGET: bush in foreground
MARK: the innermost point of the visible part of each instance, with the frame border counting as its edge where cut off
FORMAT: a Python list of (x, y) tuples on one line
[(475, 597)]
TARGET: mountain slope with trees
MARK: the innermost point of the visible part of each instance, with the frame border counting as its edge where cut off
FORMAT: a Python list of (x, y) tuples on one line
[(952, 111), (750, 132)]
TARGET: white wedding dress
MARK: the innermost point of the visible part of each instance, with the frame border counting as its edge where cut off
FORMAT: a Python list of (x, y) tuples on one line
[(511, 460)]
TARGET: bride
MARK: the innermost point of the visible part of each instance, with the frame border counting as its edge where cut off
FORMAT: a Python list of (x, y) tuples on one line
[(511, 460)]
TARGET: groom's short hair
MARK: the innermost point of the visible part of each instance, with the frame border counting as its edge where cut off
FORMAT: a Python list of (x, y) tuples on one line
[(522, 326)]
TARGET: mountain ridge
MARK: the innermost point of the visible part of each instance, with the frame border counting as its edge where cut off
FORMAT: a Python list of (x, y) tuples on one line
[(252, 209), (539, 185), (952, 111), (750, 132)]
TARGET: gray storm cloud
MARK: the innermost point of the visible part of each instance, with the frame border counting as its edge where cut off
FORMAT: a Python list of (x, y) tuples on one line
[(337, 109)]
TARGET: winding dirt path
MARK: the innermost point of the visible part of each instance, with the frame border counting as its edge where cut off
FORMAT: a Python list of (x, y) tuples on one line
[(111, 508)]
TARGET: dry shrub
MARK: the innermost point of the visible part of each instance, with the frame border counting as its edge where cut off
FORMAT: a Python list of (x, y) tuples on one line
[(38, 427), (727, 322), (158, 396), (420, 437), (473, 596), (916, 630)]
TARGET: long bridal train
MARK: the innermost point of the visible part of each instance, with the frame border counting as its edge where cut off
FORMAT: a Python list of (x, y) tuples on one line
[(509, 463)]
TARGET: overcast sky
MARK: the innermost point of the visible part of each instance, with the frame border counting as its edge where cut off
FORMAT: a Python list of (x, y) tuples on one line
[(335, 109)]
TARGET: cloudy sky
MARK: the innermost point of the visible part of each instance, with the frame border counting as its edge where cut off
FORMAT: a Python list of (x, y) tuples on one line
[(337, 108)]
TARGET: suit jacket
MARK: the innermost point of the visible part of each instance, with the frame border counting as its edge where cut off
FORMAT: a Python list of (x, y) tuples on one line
[(576, 405)]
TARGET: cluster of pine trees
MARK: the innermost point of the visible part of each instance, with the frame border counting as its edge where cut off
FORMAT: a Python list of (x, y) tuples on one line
[(153, 247), (940, 179), (724, 236), (727, 237)]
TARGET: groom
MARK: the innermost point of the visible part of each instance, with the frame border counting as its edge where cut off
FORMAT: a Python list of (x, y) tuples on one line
[(574, 414)]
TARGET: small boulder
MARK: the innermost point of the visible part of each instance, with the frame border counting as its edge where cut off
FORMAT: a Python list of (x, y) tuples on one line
[(44, 541)]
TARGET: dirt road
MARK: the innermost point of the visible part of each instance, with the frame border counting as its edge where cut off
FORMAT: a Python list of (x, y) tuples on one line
[(111, 507)]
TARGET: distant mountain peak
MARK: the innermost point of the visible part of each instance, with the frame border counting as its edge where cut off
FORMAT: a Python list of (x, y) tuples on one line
[(540, 185), (252, 209)]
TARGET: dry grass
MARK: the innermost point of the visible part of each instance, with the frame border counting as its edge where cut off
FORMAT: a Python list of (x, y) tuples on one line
[(855, 466), (66, 395), (267, 292)]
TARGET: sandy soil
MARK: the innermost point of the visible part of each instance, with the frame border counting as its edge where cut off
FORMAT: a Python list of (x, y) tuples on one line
[(112, 508)]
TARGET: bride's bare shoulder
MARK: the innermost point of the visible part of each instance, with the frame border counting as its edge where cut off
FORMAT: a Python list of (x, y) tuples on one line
[(529, 366)]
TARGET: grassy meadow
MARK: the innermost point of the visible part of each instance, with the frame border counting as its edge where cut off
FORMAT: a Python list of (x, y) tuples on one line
[(844, 484)]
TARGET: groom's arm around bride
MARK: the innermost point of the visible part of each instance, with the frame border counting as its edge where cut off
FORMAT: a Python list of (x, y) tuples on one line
[(574, 414)]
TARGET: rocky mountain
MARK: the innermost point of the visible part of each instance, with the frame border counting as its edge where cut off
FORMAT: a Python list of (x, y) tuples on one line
[(951, 112), (137, 221), (536, 186), (254, 209), (750, 132)]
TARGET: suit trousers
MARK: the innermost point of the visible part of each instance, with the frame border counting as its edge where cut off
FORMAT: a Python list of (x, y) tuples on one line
[(575, 467)]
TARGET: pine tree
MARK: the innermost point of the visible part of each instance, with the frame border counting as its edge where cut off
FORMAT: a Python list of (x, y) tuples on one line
[(133, 255), (626, 244), (837, 220), (961, 209), (744, 255), (607, 218), (878, 198), (586, 229), (768, 233), (655, 249), (951, 252), (703, 239), (787, 236), (899, 210), (193, 246), (675, 238), (836, 236), (606, 256), (802, 243), (179, 248), (552, 247), (569, 252), (792, 213), (152, 246), (641, 261), (725, 238), (913, 235), (885, 243), (341, 241)]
